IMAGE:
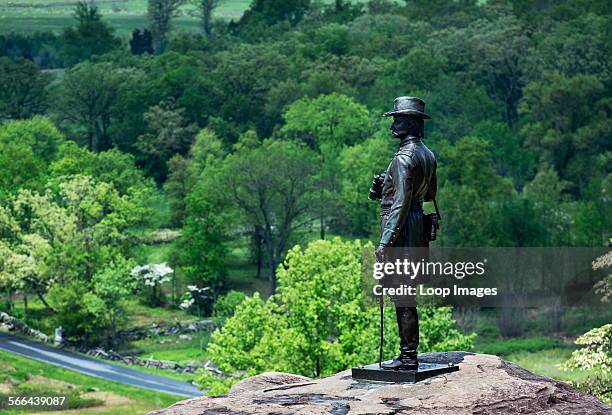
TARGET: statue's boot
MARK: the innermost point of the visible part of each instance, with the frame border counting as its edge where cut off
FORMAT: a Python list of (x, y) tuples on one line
[(408, 327)]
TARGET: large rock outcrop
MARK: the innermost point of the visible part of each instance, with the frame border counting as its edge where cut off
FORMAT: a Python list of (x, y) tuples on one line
[(484, 385)]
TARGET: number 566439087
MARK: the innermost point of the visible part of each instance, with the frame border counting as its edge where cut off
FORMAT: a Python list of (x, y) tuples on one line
[(36, 400)]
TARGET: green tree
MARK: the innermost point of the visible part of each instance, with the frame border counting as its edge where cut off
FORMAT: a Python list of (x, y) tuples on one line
[(94, 311), (169, 132), (358, 164), (26, 148), (91, 36), (576, 47), (136, 93), (22, 89), (82, 102), (21, 168), (37, 229), (183, 172), (38, 133), (461, 104), (188, 81), (270, 184), (269, 12), (245, 74), (420, 69), (206, 9), (202, 248), (547, 194), (14, 267), (466, 177), (226, 305), (594, 356), (441, 13), (160, 13), (493, 53), (327, 124), (511, 158), (571, 138), (177, 187)]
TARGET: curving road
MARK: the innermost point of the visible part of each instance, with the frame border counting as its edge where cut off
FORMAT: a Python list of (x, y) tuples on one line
[(93, 367)]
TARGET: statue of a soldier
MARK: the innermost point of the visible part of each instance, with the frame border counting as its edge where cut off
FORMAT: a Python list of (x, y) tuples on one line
[(409, 180)]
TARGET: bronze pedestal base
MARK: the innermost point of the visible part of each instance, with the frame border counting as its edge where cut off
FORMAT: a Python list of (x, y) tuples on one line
[(425, 370)]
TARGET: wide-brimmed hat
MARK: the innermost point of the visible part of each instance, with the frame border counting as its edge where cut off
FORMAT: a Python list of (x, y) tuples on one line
[(408, 106)]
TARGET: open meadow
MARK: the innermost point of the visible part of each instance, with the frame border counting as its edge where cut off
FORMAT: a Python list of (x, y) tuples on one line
[(25, 16)]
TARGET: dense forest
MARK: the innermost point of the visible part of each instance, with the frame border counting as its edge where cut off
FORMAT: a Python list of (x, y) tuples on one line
[(263, 133)]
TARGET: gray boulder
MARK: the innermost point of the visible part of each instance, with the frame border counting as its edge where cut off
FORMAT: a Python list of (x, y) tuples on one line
[(484, 385)]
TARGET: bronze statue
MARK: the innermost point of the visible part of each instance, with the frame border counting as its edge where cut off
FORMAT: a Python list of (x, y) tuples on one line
[(409, 180)]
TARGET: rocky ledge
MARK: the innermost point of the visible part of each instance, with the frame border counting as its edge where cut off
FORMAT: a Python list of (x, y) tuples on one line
[(484, 385)]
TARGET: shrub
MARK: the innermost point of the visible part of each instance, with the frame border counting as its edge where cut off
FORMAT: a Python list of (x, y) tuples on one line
[(596, 357), (225, 306), (596, 354)]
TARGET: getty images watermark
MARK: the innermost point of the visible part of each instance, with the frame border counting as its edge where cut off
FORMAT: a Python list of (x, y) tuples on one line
[(408, 269), (484, 277)]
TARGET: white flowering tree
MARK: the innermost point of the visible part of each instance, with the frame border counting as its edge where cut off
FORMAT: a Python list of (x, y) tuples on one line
[(150, 278), (196, 299), (595, 353)]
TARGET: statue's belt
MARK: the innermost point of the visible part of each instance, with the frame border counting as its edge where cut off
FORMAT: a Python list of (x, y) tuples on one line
[(414, 205)]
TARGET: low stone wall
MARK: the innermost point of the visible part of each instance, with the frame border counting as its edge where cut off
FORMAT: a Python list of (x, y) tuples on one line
[(19, 326), (181, 327), (158, 364)]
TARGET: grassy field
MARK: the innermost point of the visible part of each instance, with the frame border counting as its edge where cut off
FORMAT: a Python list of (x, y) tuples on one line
[(123, 15), (548, 363), (541, 355), (172, 348), (88, 395)]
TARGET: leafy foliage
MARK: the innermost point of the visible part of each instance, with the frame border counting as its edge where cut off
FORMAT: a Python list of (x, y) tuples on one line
[(317, 324)]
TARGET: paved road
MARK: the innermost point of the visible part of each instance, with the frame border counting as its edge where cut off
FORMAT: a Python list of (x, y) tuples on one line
[(93, 367)]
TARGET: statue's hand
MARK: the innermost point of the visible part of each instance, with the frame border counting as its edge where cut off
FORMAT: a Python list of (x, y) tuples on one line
[(377, 186), (380, 253)]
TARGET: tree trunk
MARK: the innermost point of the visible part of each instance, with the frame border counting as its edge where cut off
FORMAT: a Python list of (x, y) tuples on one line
[(173, 289), (272, 282), (271, 261), (25, 307), (322, 209), (322, 223), (207, 7), (42, 299), (322, 197), (258, 251)]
